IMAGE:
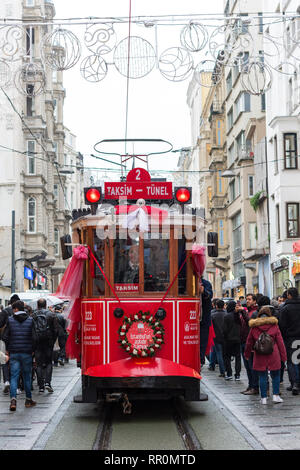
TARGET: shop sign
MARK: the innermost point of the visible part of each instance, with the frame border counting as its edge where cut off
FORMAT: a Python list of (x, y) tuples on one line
[(28, 273), (280, 264)]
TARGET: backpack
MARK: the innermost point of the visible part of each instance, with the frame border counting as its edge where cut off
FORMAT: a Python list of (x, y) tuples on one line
[(264, 345), (42, 330)]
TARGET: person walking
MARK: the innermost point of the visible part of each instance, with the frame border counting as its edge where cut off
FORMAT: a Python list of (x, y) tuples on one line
[(4, 316), (19, 339), (206, 293), (232, 340), (46, 328), (217, 318), (270, 359), (290, 327)]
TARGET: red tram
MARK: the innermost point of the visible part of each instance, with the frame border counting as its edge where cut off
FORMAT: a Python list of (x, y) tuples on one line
[(137, 330)]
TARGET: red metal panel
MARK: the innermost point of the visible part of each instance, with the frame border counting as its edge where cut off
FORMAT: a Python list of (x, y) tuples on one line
[(132, 307), (93, 339), (188, 317)]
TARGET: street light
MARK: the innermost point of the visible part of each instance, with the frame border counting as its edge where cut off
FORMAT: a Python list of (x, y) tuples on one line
[(228, 174)]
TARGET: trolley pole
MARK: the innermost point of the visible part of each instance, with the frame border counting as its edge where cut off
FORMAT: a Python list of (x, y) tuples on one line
[(13, 254)]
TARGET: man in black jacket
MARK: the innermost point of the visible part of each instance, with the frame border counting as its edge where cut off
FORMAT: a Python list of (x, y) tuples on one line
[(217, 318), (19, 339), (206, 293), (4, 315), (289, 324), (46, 329)]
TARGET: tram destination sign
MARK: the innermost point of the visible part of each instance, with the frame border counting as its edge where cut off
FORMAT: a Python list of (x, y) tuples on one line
[(136, 190)]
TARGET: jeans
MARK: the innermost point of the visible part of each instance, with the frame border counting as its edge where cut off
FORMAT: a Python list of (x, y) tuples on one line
[(252, 381), (20, 362), (43, 357), (5, 371), (263, 379), (213, 358), (218, 347), (254, 373), (232, 349), (204, 333)]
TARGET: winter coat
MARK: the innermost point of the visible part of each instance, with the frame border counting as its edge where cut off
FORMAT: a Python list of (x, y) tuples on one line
[(290, 320), (4, 315), (231, 329), (206, 304), (217, 317), (19, 334), (271, 361)]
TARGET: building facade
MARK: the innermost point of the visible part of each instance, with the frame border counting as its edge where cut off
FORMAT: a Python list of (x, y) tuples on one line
[(32, 130), (283, 144)]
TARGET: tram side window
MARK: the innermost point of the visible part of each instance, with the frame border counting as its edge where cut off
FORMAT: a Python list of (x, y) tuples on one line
[(98, 279), (126, 263), (156, 265), (182, 274)]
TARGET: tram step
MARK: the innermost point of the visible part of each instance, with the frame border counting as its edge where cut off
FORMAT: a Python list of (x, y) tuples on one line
[(203, 397), (78, 399)]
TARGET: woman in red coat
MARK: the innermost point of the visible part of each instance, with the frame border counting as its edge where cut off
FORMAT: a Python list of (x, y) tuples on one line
[(270, 362)]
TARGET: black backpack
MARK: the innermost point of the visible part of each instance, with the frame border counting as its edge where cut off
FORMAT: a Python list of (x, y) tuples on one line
[(42, 329), (264, 345)]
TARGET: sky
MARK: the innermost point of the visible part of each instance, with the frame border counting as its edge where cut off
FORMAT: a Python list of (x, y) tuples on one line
[(157, 107)]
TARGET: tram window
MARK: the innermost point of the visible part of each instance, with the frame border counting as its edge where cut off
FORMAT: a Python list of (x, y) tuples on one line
[(156, 265), (126, 269), (98, 280), (182, 274)]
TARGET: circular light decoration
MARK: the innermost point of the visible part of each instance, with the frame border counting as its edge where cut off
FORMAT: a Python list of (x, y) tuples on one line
[(227, 42), (256, 77), (30, 79), (208, 73), (100, 38), (176, 64), (93, 195), (93, 68), (194, 37), (5, 73), (61, 49), (138, 62), (11, 39)]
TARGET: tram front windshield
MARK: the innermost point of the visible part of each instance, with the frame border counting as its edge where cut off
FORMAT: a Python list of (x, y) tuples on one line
[(127, 264)]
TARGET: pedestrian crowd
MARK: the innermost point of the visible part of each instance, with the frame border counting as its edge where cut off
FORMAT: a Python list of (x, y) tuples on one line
[(263, 333), (31, 343)]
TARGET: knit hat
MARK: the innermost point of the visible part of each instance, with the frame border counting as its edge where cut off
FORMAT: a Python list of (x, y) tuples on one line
[(231, 306)]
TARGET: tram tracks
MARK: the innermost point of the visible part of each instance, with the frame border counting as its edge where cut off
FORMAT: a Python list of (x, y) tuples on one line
[(106, 426)]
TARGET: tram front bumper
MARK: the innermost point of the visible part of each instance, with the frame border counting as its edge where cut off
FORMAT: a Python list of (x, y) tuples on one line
[(142, 378)]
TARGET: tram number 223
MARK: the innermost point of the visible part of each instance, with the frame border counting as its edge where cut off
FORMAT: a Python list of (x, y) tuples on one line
[(193, 315), (88, 316)]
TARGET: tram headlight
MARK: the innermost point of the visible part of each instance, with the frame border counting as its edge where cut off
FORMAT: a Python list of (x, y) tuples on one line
[(161, 314), (118, 312)]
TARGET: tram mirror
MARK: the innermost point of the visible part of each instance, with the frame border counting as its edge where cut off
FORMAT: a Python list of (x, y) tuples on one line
[(66, 251), (213, 244)]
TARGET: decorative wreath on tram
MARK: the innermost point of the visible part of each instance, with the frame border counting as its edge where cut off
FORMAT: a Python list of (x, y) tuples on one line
[(142, 335)]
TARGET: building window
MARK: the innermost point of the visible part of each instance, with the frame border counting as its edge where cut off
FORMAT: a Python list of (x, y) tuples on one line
[(30, 40), (221, 233), (275, 155), (229, 83), (31, 211), (232, 191), (237, 238), (238, 185), (31, 157), (263, 102), (252, 235), (220, 182), (29, 100), (260, 23), (56, 242), (231, 155), (230, 119), (290, 151), (292, 212), (242, 104), (250, 185), (218, 133), (277, 222), (30, 3), (55, 191)]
